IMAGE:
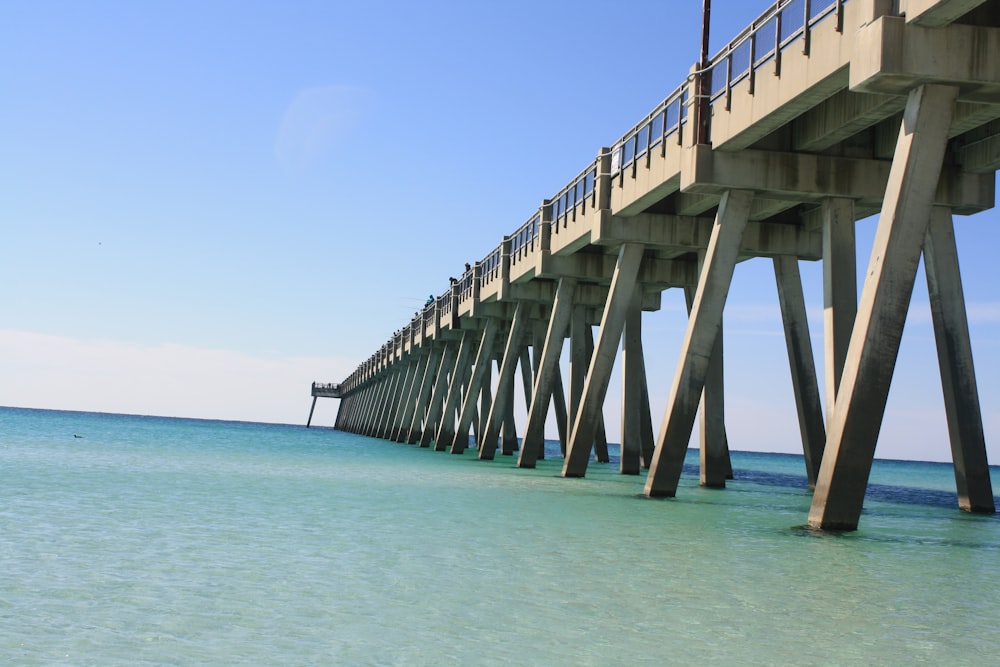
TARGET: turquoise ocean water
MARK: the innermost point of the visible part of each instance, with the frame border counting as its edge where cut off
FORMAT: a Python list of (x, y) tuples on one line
[(152, 541)]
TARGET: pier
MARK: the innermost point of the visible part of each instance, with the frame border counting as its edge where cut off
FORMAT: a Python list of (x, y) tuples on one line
[(819, 114), (322, 390)]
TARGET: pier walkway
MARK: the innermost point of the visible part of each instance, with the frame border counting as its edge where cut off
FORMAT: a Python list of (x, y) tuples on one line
[(819, 114)]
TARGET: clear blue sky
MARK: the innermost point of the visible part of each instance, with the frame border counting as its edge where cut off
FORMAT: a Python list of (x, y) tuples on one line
[(208, 205)]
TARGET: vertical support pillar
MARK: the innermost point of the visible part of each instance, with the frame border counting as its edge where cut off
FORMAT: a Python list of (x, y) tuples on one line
[(590, 413), (399, 400), (484, 358), (559, 407), (958, 375), (406, 416), (633, 378), (885, 298), (311, 409), (436, 406), (548, 369), (600, 435), (713, 454), (800, 362), (446, 430), (703, 328), (485, 404), (647, 442), (714, 466), (431, 370), (379, 397), (508, 437), (502, 403), (578, 360), (341, 411), (538, 345), (406, 389), (840, 291), (510, 444)]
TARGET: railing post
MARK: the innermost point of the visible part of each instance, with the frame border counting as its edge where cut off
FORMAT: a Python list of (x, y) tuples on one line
[(505, 268), (545, 225), (806, 28), (777, 42), (602, 183), (694, 100), (454, 296), (729, 81)]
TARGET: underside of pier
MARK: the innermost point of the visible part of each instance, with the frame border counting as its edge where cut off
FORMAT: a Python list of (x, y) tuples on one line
[(815, 121)]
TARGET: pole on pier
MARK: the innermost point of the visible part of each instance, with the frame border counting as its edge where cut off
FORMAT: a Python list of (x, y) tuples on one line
[(704, 78)]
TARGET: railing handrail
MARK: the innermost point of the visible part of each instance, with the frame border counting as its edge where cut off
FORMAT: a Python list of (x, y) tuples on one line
[(524, 237)]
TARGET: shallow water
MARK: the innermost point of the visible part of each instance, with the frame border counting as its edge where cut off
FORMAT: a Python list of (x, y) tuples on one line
[(179, 542)]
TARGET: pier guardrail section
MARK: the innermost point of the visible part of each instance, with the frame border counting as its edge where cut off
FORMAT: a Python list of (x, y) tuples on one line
[(326, 389), (569, 208), (783, 24), (525, 242), (664, 121)]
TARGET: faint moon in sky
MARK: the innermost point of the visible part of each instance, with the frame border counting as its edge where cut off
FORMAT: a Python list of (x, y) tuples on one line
[(315, 121)]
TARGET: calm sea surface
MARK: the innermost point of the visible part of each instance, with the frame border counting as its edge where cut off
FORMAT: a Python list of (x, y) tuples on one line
[(181, 542)]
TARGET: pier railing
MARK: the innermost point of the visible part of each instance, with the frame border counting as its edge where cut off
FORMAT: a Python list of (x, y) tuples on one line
[(525, 240), (326, 389), (763, 41), (664, 121), (573, 198), (490, 266)]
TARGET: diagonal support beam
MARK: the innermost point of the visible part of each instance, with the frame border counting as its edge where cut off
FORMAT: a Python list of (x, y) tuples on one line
[(589, 415), (559, 407), (484, 357), (548, 370), (703, 328), (403, 427), (503, 401), (600, 435), (958, 375), (436, 407), (446, 429), (431, 369), (885, 298), (800, 362), (637, 445), (840, 291), (714, 465)]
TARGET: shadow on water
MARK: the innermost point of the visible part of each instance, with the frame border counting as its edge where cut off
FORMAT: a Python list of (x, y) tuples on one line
[(893, 494), (886, 493)]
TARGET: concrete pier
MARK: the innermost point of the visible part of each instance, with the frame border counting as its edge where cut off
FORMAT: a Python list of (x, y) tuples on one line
[(857, 108)]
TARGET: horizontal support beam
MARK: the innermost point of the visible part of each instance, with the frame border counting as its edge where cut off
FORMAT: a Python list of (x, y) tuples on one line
[(688, 234), (841, 116), (936, 13), (892, 57), (810, 178), (980, 151), (600, 268)]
